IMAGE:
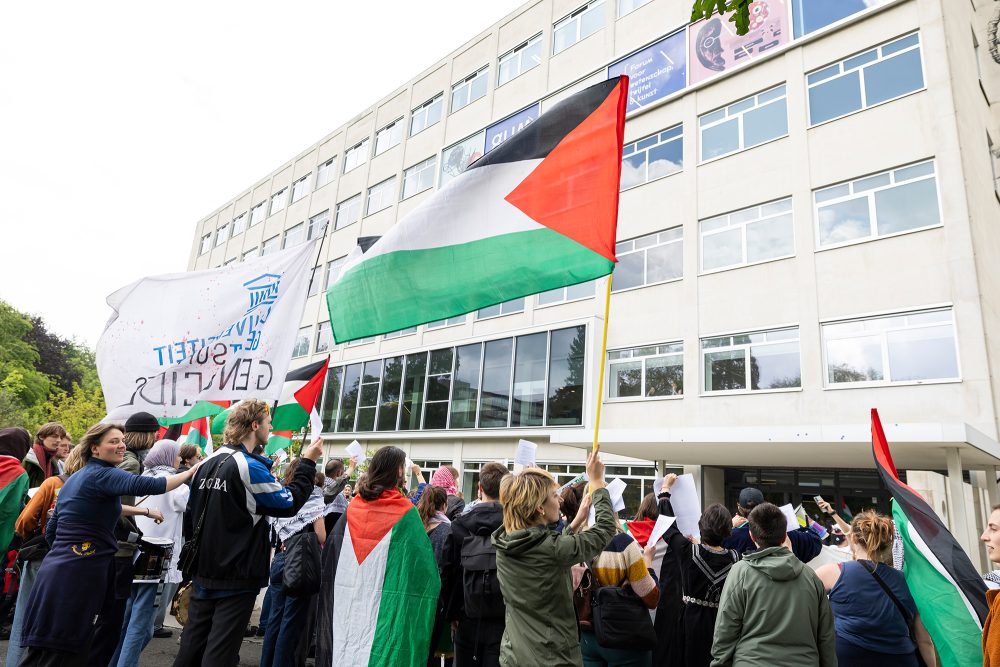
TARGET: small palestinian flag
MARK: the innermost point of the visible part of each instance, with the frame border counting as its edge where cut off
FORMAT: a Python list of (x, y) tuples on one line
[(537, 213), (197, 433), (949, 592), (219, 420), (199, 410), (298, 400), (380, 587)]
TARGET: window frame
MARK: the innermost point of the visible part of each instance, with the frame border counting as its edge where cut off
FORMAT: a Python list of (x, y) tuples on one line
[(328, 169), (827, 385), (309, 340), (277, 245), (360, 149), (311, 224), (206, 243), (742, 225), (331, 347), (738, 115), (348, 202), (575, 15), (522, 299), (518, 52), (254, 220), (861, 82), (388, 201), (468, 83), (642, 391), (417, 168), (565, 291), (280, 196), (424, 111), (298, 228), (245, 218), (445, 323), (221, 235), (679, 127), (620, 14), (304, 181), (389, 127), (702, 377), (249, 254), (869, 194), (620, 253)]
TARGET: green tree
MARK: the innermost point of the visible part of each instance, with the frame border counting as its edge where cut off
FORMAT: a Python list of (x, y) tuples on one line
[(704, 9)]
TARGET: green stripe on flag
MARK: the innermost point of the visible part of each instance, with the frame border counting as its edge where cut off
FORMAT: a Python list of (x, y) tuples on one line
[(943, 611), (10, 505), (196, 437), (278, 440), (456, 279), (409, 597), (199, 410), (289, 417)]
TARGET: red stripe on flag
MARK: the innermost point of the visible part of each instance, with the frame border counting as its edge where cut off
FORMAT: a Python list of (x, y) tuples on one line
[(308, 394), (369, 521), (10, 469)]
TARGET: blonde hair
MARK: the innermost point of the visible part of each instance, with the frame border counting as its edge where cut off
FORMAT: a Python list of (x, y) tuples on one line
[(74, 461), (874, 533), (240, 421), (521, 494), (138, 441)]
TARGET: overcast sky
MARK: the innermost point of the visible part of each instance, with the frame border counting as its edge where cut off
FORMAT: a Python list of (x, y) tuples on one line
[(125, 123)]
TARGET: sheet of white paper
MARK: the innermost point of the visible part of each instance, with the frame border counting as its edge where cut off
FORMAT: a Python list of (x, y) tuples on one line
[(280, 455), (409, 464), (618, 505), (657, 485), (592, 517), (791, 521), (355, 449), (687, 505), (660, 528), (315, 424), (525, 453), (616, 488)]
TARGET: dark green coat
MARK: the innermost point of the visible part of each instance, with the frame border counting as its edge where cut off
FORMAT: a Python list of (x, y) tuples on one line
[(533, 566)]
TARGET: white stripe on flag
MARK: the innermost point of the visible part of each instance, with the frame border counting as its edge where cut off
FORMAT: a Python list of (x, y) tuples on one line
[(357, 596)]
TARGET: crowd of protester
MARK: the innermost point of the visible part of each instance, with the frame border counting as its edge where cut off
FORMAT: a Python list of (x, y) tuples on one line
[(519, 570)]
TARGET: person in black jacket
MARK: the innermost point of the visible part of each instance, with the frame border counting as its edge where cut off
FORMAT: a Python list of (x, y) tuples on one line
[(806, 544), (477, 640), (231, 493)]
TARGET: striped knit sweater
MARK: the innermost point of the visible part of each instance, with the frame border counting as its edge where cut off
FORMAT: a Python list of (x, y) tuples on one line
[(621, 561)]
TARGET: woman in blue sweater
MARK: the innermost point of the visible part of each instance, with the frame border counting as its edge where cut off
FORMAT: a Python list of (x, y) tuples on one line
[(74, 581)]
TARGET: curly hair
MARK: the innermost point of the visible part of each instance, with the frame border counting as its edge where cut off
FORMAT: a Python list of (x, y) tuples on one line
[(874, 533)]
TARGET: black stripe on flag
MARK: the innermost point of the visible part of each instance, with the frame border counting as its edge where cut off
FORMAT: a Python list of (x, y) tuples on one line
[(305, 373), (925, 521), (538, 139)]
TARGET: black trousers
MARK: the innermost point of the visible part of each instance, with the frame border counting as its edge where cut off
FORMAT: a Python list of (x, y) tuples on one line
[(214, 631), (477, 642)]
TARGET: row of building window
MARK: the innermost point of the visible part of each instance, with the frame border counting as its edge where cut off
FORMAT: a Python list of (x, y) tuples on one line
[(903, 348), (531, 380), (873, 77)]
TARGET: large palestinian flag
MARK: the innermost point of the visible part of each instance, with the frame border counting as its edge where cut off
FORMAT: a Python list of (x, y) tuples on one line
[(949, 592), (385, 587), (298, 400), (13, 486), (538, 212), (199, 410)]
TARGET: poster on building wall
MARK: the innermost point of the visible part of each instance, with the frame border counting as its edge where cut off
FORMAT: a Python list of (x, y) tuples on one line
[(716, 48), (456, 158), (655, 72), (500, 132)]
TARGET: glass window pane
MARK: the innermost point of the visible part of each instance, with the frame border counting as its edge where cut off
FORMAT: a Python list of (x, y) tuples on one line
[(837, 191), (366, 419), (917, 170), (722, 249), (664, 262), (720, 139), (436, 415), (870, 183), (529, 380), (566, 377), (665, 159), (770, 238), (861, 59), (629, 271), (495, 398), (349, 399), (900, 44), (893, 77), (811, 15), (388, 409), (725, 371), (908, 206), (413, 391), (853, 359), (775, 366), (564, 36), (927, 353), (592, 20), (440, 361), (845, 221), (633, 170), (823, 74), (626, 379), (765, 123), (580, 291), (551, 296), (665, 376), (465, 393), (331, 397), (834, 98)]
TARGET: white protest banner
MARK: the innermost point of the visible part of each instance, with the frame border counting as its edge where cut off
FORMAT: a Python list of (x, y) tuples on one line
[(525, 453), (791, 521), (355, 449), (687, 505), (582, 477), (215, 335), (660, 528)]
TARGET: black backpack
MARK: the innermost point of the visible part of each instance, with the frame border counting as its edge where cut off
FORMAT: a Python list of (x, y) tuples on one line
[(480, 585)]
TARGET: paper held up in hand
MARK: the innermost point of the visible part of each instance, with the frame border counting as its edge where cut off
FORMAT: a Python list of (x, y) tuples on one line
[(791, 521), (525, 453), (687, 505), (355, 449), (660, 528), (616, 489)]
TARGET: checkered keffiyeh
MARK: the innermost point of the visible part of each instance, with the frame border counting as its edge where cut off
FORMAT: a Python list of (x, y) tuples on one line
[(312, 510)]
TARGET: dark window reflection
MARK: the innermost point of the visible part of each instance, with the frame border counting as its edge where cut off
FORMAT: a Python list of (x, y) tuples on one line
[(529, 380), (413, 391), (392, 378), (465, 393), (495, 402), (566, 376), (349, 399)]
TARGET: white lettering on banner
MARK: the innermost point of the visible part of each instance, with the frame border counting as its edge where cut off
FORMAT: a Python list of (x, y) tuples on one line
[(220, 334)]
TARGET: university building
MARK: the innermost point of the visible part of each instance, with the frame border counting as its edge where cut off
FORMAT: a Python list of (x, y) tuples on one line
[(807, 230)]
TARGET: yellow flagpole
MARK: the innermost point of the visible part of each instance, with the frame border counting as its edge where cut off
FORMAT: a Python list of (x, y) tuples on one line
[(603, 362)]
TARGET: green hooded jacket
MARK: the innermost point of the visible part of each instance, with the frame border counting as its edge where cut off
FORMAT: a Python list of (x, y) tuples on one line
[(773, 611), (533, 566)]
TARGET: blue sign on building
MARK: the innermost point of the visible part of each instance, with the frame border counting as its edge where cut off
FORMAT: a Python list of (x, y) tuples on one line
[(500, 132), (654, 72)]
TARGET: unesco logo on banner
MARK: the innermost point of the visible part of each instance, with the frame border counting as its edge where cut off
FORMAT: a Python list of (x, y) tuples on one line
[(655, 72), (500, 132)]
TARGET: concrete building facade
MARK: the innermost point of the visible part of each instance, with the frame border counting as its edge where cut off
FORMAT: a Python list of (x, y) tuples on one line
[(806, 231)]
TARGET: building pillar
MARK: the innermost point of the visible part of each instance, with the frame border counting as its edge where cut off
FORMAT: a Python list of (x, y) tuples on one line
[(992, 490), (958, 517)]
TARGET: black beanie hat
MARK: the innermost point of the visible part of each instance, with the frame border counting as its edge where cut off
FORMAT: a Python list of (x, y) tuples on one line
[(142, 422)]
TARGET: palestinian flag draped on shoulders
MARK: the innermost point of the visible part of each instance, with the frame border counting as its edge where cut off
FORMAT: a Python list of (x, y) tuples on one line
[(537, 213), (297, 405), (380, 587), (949, 592)]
